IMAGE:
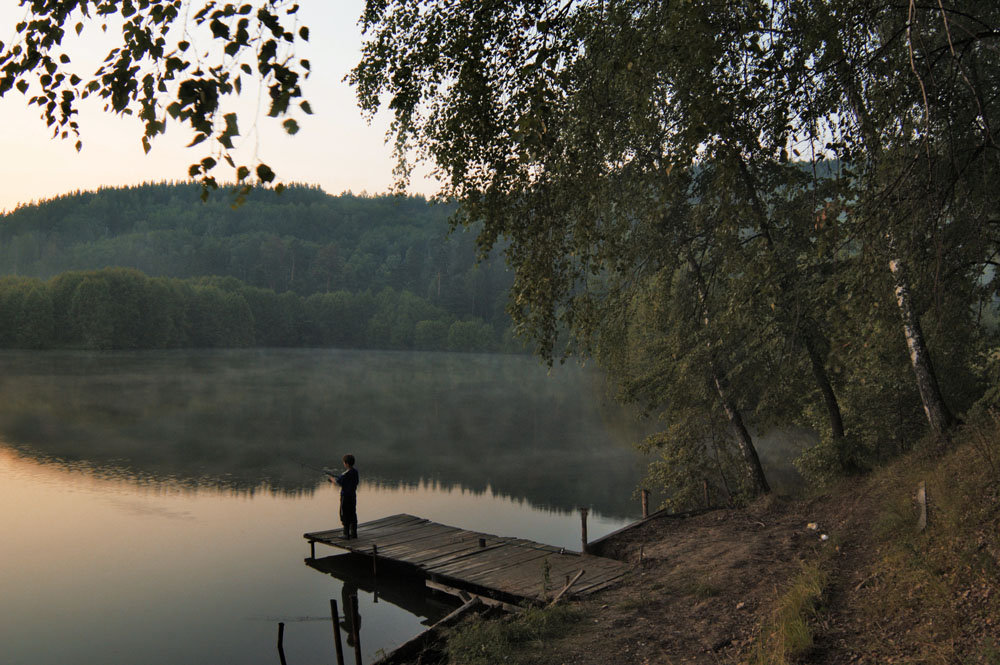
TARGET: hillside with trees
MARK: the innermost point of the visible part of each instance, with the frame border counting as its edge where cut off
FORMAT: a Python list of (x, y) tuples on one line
[(154, 267)]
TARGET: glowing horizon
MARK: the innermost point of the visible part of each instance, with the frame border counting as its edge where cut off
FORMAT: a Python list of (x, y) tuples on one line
[(336, 148)]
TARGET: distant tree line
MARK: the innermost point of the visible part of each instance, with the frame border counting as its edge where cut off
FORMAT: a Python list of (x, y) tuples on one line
[(300, 269), (121, 308), (304, 241)]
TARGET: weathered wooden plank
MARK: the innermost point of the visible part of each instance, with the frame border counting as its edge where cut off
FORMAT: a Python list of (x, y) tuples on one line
[(512, 567), (455, 549), (419, 550), (529, 572), (401, 537), (478, 564), (507, 558), (393, 522)]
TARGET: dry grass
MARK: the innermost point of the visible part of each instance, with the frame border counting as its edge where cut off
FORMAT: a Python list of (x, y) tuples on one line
[(788, 634)]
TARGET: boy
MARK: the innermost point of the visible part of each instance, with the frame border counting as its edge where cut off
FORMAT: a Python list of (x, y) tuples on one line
[(348, 482)]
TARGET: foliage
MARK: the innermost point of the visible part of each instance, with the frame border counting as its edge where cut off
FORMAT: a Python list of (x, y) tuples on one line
[(120, 308), (789, 633), (157, 71), (483, 642), (938, 585), (755, 209), (302, 249)]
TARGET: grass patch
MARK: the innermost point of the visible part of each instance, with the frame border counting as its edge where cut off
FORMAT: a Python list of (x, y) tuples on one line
[(788, 634), (508, 640), (701, 589), (941, 584)]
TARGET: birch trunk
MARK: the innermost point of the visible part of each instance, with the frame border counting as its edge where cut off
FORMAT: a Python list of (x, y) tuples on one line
[(754, 471), (938, 414)]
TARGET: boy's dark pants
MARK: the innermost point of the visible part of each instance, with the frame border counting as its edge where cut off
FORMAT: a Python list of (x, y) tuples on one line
[(349, 514)]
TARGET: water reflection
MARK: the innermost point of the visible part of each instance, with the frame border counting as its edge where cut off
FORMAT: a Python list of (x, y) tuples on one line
[(257, 421), (99, 569), (401, 588)]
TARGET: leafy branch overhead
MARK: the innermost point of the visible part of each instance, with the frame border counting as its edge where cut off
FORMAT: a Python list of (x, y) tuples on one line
[(753, 213), (156, 71)]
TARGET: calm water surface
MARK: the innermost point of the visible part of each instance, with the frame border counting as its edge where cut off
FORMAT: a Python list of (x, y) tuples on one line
[(153, 504)]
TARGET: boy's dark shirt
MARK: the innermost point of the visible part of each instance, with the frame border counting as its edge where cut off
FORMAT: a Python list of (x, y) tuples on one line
[(348, 482)]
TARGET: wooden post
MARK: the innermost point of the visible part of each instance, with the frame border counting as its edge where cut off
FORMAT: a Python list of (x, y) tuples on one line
[(922, 506), (645, 504), (583, 529), (354, 629), (281, 642), (336, 632), (312, 549), (374, 557), (482, 542)]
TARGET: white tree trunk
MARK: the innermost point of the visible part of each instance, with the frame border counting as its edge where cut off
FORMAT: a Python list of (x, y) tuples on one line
[(938, 414)]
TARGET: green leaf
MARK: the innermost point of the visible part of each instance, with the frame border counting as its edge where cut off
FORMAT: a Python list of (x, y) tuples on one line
[(291, 126), (242, 173), (264, 173), (304, 33), (219, 29), (232, 128), (306, 108)]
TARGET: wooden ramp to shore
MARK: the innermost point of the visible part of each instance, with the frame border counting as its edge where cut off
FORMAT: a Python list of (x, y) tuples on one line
[(504, 568)]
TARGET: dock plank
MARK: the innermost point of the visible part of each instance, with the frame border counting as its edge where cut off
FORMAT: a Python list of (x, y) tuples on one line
[(507, 568)]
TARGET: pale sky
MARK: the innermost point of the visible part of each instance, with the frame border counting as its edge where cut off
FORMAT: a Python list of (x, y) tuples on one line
[(335, 149)]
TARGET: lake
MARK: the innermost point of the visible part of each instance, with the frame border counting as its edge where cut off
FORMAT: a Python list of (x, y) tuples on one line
[(153, 503)]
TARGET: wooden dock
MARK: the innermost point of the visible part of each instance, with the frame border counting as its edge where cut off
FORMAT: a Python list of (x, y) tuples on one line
[(504, 568)]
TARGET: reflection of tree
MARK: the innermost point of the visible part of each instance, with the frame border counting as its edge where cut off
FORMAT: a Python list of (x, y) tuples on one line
[(466, 421)]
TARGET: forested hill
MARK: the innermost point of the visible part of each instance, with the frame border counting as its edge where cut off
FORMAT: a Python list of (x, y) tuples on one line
[(302, 268)]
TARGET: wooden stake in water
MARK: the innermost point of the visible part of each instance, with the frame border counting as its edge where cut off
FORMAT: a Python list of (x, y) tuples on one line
[(281, 642), (583, 529), (336, 631), (354, 629)]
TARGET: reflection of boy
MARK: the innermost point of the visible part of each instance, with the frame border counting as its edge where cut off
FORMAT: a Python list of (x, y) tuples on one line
[(348, 624), (348, 482)]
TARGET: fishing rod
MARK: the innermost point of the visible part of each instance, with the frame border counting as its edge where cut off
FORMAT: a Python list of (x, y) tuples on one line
[(325, 470)]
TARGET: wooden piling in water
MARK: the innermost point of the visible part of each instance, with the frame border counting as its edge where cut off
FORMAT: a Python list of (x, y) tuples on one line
[(336, 631), (356, 634), (583, 529), (281, 642)]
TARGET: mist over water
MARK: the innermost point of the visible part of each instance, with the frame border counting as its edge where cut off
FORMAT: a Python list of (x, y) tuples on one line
[(154, 503), (241, 419)]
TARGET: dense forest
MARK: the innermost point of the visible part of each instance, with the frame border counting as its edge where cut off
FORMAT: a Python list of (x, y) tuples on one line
[(154, 267)]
